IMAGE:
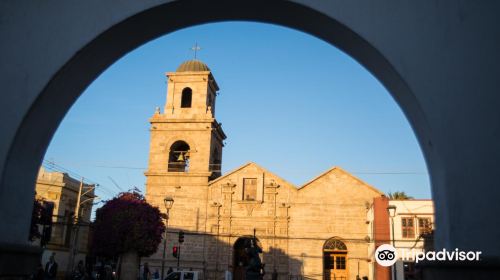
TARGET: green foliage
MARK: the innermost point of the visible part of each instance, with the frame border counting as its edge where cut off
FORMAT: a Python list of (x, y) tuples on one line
[(127, 223), (399, 196)]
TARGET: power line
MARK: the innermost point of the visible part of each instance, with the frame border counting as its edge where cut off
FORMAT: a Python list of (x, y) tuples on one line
[(116, 184), (220, 170), (277, 237), (120, 167), (52, 166), (391, 173)]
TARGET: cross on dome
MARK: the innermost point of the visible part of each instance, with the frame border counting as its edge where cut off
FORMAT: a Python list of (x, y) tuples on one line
[(195, 48)]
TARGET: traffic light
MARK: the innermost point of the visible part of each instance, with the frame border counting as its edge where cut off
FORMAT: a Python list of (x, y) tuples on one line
[(47, 212), (46, 221), (46, 234), (181, 236), (175, 251)]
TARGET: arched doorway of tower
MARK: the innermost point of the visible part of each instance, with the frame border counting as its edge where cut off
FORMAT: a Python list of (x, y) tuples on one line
[(335, 260), (247, 261)]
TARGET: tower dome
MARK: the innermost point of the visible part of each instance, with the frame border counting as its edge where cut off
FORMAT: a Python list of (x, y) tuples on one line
[(193, 65)]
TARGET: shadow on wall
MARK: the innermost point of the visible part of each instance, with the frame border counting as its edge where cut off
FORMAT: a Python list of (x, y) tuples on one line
[(213, 255)]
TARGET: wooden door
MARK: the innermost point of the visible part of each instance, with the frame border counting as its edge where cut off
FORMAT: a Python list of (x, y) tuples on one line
[(335, 267)]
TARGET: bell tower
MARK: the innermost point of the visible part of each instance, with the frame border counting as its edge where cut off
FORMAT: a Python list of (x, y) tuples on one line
[(185, 153), (186, 140)]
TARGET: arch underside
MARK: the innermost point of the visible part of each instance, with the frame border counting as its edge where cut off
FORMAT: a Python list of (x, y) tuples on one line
[(433, 69)]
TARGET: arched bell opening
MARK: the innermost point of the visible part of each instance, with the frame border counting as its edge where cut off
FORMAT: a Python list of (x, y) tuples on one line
[(178, 159)]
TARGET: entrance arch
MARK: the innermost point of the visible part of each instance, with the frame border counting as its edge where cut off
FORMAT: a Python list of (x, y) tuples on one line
[(246, 257), (446, 88), (335, 260)]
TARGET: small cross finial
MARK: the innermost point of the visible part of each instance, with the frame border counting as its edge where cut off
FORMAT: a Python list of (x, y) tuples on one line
[(195, 48)]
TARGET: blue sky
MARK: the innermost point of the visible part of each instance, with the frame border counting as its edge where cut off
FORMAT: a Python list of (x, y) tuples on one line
[(288, 101)]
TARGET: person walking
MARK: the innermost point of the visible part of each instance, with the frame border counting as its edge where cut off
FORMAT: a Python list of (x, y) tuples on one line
[(51, 268), (40, 273), (79, 272), (156, 275), (146, 273), (170, 270), (274, 276)]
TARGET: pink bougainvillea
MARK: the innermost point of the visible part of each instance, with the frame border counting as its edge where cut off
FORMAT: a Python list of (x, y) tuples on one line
[(127, 223)]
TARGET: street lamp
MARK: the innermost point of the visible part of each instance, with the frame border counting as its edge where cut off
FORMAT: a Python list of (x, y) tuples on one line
[(169, 202), (391, 209)]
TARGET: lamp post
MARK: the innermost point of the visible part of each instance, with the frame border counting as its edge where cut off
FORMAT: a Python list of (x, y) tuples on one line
[(169, 202), (391, 209)]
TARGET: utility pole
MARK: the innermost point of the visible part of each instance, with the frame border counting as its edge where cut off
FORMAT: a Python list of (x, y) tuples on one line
[(178, 256), (74, 239), (391, 210), (76, 226), (218, 205), (181, 240)]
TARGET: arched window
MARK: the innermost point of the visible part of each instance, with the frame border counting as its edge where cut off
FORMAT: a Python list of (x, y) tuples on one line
[(335, 245), (187, 96), (334, 259), (178, 159)]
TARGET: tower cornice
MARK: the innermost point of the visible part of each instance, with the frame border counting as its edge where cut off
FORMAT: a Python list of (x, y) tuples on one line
[(173, 75), (161, 118)]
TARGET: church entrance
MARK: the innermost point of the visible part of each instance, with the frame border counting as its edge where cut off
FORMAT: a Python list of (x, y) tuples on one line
[(247, 264), (335, 260)]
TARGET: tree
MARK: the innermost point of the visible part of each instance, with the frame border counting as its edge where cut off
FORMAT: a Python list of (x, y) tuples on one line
[(399, 196), (127, 227)]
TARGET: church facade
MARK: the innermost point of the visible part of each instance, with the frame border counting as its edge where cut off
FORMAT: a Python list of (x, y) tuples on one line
[(315, 231)]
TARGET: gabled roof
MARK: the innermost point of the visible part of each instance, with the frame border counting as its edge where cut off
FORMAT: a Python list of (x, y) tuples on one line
[(336, 168), (229, 173), (252, 164), (333, 169)]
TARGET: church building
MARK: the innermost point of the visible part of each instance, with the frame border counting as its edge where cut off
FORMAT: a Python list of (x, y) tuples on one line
[(315, 231)]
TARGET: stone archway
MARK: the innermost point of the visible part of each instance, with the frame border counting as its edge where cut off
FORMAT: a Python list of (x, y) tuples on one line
[(425, 54), (246, 259)]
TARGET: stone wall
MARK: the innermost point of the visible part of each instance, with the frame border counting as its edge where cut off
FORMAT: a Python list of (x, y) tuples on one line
[(292, 224)]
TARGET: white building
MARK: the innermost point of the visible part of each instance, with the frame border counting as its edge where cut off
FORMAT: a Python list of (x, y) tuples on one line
[(412, 219), (403, 227)]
